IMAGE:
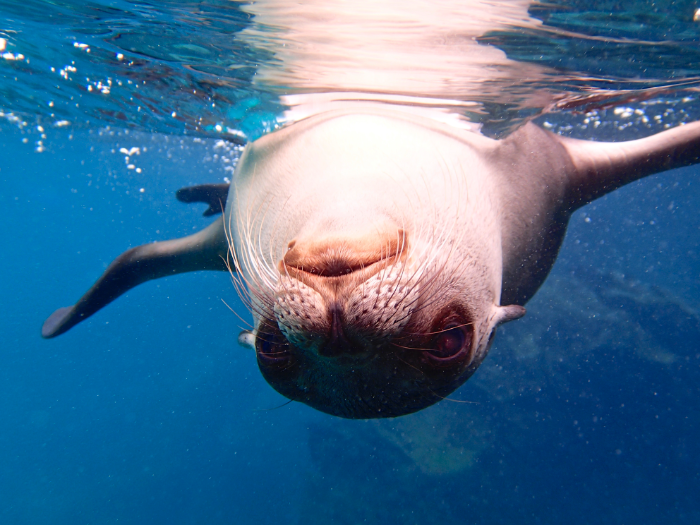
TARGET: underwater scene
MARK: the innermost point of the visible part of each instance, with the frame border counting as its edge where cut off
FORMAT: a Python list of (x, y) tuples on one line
[(585, 410)]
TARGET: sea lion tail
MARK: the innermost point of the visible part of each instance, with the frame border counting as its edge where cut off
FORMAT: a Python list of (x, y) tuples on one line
[(204, 250), (601, 167)]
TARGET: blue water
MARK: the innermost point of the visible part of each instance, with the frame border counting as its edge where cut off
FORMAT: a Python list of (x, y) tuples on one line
[(586, 410)]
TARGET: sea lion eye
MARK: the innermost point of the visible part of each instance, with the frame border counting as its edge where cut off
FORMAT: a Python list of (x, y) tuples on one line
[(271, 346), (452, 341)]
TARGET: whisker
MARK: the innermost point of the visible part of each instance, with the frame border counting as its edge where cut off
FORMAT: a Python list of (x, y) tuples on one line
[(411, 366), (415, 348), (273, 408), (439, 331), (249, 325), (443, 398)]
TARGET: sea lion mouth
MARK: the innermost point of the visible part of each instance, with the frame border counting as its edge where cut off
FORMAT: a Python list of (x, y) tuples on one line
[(332, 258)]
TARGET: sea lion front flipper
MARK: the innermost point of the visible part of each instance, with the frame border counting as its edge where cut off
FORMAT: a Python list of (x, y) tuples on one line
[(204, 250), (601, 167), (214, 195)]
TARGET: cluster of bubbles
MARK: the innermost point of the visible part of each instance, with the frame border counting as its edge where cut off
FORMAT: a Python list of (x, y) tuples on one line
[(623, 122)]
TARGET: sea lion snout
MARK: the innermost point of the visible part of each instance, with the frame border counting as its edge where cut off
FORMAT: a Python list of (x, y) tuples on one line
[(344, 296)]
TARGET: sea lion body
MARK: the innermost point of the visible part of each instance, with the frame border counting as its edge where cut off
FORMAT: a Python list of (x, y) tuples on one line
[(380, 249)]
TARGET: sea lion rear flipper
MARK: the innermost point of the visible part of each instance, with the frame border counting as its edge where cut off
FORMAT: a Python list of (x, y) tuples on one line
[(204, 250), (214, 195), (601, 167)]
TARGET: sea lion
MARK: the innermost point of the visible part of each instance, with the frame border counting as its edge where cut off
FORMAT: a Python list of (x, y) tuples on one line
[(381, 249)]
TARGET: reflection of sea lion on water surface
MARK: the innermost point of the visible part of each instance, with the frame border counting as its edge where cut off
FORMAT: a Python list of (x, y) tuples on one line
[(381, 249)]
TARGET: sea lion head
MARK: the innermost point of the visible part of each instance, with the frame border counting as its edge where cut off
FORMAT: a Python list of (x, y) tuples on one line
[(373, 325), (374, 288)]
